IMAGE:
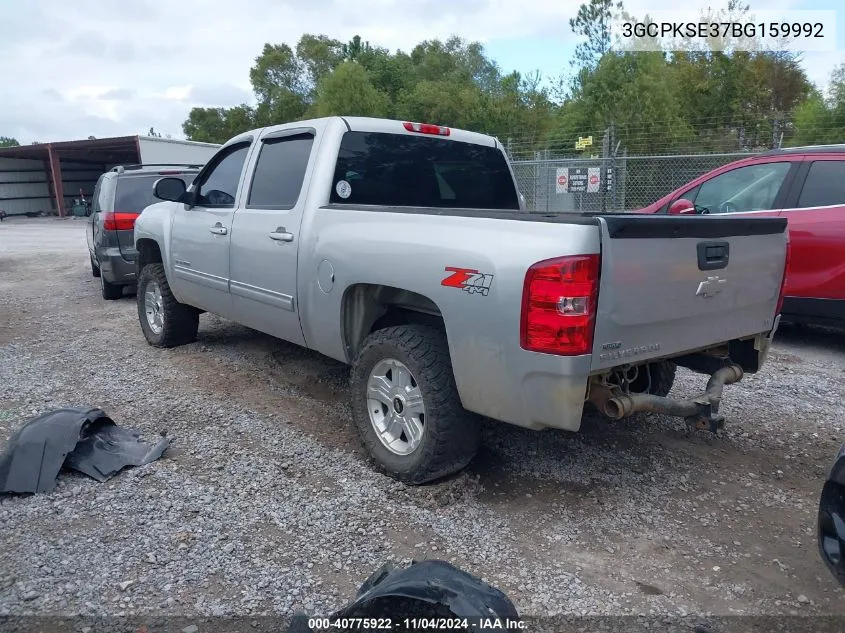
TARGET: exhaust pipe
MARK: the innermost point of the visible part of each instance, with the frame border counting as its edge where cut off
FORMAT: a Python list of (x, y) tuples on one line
[(615, 404)]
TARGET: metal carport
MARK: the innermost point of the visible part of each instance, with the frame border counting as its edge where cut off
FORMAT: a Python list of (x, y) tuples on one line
[(45, 177)]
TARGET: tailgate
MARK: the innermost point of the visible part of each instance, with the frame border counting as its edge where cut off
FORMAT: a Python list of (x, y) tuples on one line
[(674, 284)]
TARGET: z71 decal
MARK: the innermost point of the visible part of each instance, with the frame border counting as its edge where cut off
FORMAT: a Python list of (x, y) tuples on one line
[(469, 280)]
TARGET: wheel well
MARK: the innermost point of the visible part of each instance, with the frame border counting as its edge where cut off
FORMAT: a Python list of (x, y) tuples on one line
[(148, 253), (370, 307)]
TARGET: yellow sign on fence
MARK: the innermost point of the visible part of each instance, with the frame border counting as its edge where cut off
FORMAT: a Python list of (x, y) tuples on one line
[(583, 143)]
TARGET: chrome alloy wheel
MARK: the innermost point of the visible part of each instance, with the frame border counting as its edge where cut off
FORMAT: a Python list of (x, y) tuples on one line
[(153, 307), (395, 405)]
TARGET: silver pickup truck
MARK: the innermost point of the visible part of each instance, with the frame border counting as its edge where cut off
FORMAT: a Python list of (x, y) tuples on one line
[(406, 251)]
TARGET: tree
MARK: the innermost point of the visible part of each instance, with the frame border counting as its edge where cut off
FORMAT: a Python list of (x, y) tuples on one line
[(593, 22), (699, 99), (276, 69), (349, 91), (8, 141), (820, 119), (280, 84), (218, 125), (634, 93), (394, 75), (281, 88), (355, 49), (319, 55)]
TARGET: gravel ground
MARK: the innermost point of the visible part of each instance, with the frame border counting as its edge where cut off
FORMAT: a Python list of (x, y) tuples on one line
[(263, 503)]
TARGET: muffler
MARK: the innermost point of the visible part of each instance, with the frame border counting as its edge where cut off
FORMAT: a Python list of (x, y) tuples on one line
[(699, 412)]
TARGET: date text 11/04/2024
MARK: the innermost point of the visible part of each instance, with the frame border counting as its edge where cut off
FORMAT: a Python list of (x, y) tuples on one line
[(415, 624)]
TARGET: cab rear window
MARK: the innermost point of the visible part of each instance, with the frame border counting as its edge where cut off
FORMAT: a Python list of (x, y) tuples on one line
[(417, 171)]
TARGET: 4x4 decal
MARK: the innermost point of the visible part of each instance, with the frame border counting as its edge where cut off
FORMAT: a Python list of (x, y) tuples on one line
[(468, 279)]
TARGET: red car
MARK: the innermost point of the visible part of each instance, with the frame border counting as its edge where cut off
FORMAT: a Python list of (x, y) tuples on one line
[(806, 185)]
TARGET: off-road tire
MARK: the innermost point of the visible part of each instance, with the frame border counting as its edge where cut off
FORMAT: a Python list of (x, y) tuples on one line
[(109, 290), (662, 378), (451, 434), (180, 321), (95, 269)]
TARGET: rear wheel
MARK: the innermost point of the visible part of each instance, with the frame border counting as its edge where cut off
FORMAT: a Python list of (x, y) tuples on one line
[(407, 408), (164, 321), (95, 269), (110, 291)]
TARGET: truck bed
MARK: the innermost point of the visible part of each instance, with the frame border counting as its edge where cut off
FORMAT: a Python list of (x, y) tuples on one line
[(620, 225), (659, 294)]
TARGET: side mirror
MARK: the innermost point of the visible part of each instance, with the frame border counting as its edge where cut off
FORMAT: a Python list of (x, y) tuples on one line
[(681, 206), (831, 521), (170, 189)]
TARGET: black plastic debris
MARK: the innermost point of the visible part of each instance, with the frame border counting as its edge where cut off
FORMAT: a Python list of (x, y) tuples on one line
[(83, 439), (424, 594)]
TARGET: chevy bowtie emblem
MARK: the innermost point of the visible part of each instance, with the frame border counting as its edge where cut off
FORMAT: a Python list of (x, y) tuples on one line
[(710, 287)]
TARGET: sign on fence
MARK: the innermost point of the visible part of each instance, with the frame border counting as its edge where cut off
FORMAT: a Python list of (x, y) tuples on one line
[(583, 143), (578, 180)]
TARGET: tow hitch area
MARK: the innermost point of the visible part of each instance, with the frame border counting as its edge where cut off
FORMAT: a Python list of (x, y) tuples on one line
[(701, 413)]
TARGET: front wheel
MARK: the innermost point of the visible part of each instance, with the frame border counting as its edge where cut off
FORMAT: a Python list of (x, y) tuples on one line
[(407, 408), (164, 321)]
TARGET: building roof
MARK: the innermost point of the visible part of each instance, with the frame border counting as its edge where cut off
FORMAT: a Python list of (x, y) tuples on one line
[(121, 149), (114, 150)]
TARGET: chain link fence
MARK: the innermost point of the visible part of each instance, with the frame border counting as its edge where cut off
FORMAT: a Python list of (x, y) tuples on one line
[(619, 183)]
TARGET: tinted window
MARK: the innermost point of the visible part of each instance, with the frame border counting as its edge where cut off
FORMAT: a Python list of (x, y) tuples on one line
[(750, 188), (95, 199), (280, 172), (825, 184), (420, 171), (134, 193), (220, 185)]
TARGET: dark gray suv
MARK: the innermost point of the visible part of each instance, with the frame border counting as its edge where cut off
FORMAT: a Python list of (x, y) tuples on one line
[(119, 197)]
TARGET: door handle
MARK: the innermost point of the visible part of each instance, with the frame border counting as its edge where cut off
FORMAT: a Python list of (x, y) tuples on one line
[(219, 229), (713, 255), (281, 235)]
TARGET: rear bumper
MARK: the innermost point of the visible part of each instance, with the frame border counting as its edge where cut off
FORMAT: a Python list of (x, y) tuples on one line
[(527, 389), (118, 267), (553, 390)]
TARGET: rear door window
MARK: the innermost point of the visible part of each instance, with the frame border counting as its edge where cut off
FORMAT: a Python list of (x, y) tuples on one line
[(825, 184), (417, 171), (280, 172)]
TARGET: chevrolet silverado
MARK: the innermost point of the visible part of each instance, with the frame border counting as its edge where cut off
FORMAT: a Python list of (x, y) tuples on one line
[(405, 250)]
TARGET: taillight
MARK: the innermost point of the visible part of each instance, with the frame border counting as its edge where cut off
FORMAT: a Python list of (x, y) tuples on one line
[(427, 128), (783, 279), (559, 305), (115, 221)]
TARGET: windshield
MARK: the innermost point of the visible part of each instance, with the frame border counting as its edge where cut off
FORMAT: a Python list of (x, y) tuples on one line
[(418, 171)]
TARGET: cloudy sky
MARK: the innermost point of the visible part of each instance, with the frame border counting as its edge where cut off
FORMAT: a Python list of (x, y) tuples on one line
[(73, 69)]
